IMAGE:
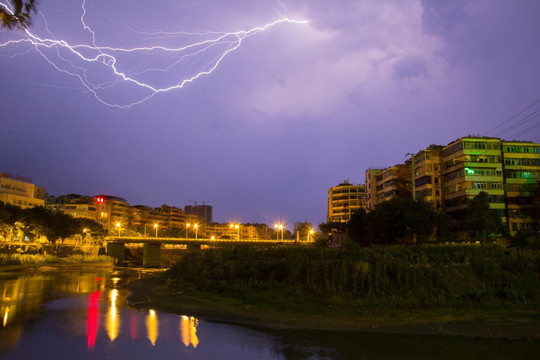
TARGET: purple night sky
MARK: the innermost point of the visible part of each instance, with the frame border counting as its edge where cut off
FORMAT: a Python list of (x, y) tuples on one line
[(295, 109)]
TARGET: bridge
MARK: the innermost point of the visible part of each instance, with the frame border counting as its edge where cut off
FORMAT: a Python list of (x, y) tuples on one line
[(152, 245)]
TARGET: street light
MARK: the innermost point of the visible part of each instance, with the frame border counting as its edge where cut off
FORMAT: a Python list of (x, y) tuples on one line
[(237, 227), (196, 226), (279, 227), (187, 226), (156, 227), (311, 231), (118, 226)]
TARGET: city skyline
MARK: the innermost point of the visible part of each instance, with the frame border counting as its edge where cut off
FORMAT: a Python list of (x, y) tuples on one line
[(294, 110)]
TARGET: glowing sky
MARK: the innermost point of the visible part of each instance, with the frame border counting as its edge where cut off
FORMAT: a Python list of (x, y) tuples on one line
[(292, 111)]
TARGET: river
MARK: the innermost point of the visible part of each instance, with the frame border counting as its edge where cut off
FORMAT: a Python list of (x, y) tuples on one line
[(85, 315)]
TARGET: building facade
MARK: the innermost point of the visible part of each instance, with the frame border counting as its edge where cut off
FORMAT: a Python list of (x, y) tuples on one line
[(385, 184), (344, 200), (203, 212), (521, 170), (472, 165), (427, 176), (19, 191)]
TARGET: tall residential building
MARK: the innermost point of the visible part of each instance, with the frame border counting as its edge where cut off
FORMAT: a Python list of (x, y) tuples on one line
[(19, 190), (472, 165), (77, 206), (203, 212), (344, 200), (427, 176), (175, 217), (371, 187), (521, 170), (385, 184)]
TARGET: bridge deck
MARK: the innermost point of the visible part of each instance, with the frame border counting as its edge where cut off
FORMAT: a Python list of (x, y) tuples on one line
[(203, 241)]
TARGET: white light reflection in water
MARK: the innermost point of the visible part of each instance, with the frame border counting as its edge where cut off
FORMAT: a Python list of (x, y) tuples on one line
[(113, 321), (152, 326), (188, 330)]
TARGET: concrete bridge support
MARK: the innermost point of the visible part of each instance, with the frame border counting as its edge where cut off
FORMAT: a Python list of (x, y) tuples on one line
[(193, 248), (116, 251), (152, 255)]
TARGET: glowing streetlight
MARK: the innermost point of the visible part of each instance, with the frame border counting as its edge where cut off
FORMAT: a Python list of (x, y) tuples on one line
[(196, 226), (118, 226), (156, 227), (279, 227), (310, 233), (237, 227)]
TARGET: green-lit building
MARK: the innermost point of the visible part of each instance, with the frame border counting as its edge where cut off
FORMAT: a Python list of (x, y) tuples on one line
[(507, 171), (521, 169)]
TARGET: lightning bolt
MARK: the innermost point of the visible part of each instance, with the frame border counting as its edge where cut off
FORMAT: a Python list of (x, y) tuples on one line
[(89, 61)]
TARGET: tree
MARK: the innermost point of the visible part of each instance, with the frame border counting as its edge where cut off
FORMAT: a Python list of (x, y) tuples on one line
[(482, 221), (397, 220), (18, 15)]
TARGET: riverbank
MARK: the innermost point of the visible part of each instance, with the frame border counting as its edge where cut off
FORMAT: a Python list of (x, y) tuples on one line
[(153, 292), (41, 262)]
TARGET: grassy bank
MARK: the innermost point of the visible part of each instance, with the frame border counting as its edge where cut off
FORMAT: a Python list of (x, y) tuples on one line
[(43, 259), (390, 281)]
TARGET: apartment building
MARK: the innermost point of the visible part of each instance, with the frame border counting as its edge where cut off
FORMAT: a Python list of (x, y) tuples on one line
[(427, 176), (203, 212), (521, 170), (385, 184), (19, 190), (77, 206), (371, 187), (344, 200), (472, 165)]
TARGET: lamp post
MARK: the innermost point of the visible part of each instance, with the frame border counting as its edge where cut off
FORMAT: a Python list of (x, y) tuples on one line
[(187, 226), (237, 227), (118, 226), (309, 234), (156, 227), (196, 226), (279, 227)]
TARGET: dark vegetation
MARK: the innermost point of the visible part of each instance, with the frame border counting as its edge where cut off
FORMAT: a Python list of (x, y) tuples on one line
[(20, 16), (359, 280), (33, 223), (402, 220)]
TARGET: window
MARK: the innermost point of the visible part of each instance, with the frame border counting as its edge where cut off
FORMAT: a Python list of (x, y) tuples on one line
[(480, 185)]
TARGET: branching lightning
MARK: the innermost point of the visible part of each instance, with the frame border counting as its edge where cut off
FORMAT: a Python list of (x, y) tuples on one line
[(102, 69)]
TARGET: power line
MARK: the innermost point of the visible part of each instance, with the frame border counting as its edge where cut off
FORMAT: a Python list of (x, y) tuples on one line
[(523, 121), (523, 132), (513, 117)]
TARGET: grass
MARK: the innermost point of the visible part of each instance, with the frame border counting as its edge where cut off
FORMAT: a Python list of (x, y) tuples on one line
[(385, 281), (41, 259)]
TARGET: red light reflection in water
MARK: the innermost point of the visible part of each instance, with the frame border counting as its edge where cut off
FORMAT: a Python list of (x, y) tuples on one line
[(133, 326), (93, 318)]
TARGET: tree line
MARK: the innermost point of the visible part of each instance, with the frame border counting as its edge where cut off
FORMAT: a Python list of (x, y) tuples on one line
[(34, 223), (402, 220)]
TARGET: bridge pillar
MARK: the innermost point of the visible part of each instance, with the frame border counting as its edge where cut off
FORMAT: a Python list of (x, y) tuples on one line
[(193, 248), (116, 251), (152, 255)]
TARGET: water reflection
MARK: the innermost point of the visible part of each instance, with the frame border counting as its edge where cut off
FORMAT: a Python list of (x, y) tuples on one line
[(113, 323), (188, 330), (85, 316), (92, 320), (152, 326)]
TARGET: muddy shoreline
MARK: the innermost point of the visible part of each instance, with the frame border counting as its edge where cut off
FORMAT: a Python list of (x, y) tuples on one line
[(149, 292)]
